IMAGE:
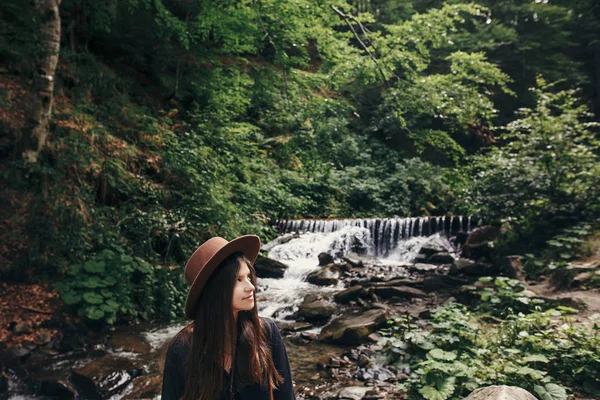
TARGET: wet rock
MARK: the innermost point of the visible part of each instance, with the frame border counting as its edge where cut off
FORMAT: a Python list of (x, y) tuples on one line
[(325, 258), (126, 341), (293, 326), (441, 258), (397, 282), (502, 392), (268, 268), (326, 276), (316, 311), (355, 262), (279, 240), (398, 291), (375, 373), (471, 268), (353, 392), (353, 329), (434, 245), (283, 310), (511, 266), (422, 268), (350, 294), (104, 377), (145, 387)]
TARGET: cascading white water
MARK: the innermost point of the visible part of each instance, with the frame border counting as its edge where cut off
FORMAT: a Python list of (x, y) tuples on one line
[(279, 297)]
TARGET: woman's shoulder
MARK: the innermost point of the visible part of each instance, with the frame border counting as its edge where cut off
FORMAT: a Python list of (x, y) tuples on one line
[(270, 328)]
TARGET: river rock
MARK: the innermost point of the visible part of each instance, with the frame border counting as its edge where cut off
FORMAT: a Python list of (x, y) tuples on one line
[(349, 294), (501, 392), (268, 268), (471, 268), (325, 276), (375, 373), (145, 387), (279, 240), (126, 341), (434, 245), (405, 292), (103, 377), (440, 258), (316, 311), (354, 261), (353, 329), (423, 268), (353, 392), (324, 259)]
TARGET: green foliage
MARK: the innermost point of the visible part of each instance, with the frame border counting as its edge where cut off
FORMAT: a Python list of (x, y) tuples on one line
[(113, 286), (458, 352), (501, 296), (545, 176)]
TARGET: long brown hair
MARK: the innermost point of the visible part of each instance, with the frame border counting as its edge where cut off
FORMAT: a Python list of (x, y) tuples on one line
[(214, 330)]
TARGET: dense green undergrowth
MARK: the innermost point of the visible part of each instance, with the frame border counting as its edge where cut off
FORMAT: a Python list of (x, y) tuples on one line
[(538, 348)]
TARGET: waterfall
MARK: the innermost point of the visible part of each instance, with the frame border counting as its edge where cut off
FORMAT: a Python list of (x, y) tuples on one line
[(383, 234)]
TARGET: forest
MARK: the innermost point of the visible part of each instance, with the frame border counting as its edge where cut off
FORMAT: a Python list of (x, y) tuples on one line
[(133, 130)]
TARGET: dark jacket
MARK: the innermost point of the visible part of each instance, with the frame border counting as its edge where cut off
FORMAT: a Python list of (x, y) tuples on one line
[(177, 356)]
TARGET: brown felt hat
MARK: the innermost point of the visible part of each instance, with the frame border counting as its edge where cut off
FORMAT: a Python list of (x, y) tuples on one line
[(207, 257)]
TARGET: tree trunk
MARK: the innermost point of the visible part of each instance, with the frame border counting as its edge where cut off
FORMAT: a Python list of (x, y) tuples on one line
[(36, 129)]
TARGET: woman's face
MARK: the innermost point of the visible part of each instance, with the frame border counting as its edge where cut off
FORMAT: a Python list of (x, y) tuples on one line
[(243, 290)]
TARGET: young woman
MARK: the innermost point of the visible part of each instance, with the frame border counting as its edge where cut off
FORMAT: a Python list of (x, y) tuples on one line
[(227, 352)]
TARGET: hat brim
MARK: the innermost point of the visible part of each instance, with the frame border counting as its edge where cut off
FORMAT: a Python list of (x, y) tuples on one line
[(249, 245)]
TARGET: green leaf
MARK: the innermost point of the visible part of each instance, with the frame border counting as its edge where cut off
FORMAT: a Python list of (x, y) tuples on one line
[(536, 358), (551, 391), (93, 282), (94, 266), (70, 298), (110, 281), (93, 298), (94, 313), (74, 269), (61, 287), (439, 354), (442, 389)]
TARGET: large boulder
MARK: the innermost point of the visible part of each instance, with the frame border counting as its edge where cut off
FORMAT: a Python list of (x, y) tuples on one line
[(434, 245), (501, 392), (316, 311), (268, 268), (480, 243), (353, 329), (442, 257), (350, 294), (103, 377), (326, 276)]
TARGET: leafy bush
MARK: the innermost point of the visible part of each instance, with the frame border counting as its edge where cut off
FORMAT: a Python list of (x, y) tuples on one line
[(113, 285), (458, 352), (545, 177)]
